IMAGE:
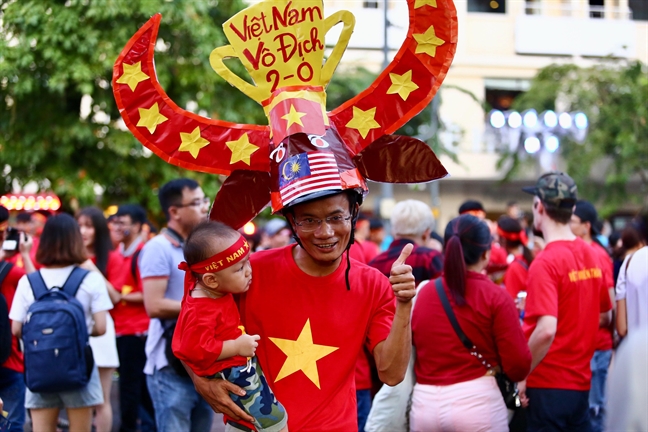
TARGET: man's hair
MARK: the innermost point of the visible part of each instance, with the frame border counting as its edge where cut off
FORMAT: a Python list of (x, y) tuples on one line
[(411, 218), (135, 211), (23, 217), (558, 214), (4, 214), (61, 243), (171, 193), (206, 240)]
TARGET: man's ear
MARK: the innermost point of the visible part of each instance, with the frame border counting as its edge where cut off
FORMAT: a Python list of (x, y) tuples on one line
[(174, 213), (210, 280), (486, 255), (426, 235)]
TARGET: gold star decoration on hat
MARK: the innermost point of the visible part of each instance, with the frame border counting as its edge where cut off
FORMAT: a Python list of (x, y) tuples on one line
[(241, 149), (363, 121), (293, 117), (302, 355), (192, 142), (402, 84), (132, 75), (421, 3), (428, 42), (150, 118)]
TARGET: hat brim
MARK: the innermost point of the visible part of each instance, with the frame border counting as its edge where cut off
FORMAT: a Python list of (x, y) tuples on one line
[(530, 190)]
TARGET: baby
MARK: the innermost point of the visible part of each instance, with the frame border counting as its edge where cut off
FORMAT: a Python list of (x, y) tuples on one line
[(209, 337)]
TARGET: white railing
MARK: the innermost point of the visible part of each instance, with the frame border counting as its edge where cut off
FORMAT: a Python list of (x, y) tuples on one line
[(569, 10)]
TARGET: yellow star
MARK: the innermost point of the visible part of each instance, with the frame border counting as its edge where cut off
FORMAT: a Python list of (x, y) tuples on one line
[(402, 84), (302, 355), (241, 149), (421, 3), (363, 121), (150, 118), (192, 142), (428, 42), (132, 75), (293, 117)]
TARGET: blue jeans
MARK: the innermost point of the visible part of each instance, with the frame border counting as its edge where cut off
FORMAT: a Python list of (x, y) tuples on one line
[(554, 410), (599, 364), (177, 405), (12, 393), (364, 406)]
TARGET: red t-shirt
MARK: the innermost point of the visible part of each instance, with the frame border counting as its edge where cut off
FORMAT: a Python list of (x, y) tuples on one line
[(498, 259), (8, 287), (312, 330), (604, 339), (515, 278), (565, 282), (130, 318), (489, 319), (203, 325), (363, 372)]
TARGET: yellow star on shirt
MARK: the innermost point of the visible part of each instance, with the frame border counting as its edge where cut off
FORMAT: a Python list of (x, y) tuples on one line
[(293, 117), (241, 149), (421, 3), (428, 42), (192, 142), (150, 118), (402, 84), (132, 75), (363, 121), (302, 355)]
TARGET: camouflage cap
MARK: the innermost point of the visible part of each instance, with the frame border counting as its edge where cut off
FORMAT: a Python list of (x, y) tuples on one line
[(555, 189)]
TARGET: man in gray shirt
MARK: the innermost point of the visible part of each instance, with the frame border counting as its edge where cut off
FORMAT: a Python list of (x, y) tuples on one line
[(177, 405)]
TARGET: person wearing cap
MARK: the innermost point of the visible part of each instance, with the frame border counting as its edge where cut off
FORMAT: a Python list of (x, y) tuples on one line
[(566, 303), (583, 224), (412, 222)]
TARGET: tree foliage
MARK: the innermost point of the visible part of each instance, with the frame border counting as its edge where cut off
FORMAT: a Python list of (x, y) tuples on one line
[(613, 95), (54, 52)]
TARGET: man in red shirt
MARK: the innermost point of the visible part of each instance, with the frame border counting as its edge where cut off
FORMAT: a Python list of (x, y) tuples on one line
[(12, 381), (313, 319), (582, 224), (566, 304)]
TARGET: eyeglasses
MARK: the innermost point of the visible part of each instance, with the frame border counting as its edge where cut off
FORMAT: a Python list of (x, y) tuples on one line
[(198, 202), (311, 224)]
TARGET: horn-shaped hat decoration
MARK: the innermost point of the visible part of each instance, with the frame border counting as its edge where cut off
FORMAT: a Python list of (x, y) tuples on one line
[(304, 151)]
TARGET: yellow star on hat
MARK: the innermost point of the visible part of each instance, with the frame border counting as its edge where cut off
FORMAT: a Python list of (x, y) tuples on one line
[(421, 3), (150, 118), (192, 142), (132, 75), (302, 355), (293, 117), (402, 84), (363, 121), (428, 42), (241, 149)]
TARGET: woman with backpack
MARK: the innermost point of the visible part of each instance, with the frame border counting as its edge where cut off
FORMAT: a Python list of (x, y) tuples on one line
[(98, 245), (456, 388), (59, 371)]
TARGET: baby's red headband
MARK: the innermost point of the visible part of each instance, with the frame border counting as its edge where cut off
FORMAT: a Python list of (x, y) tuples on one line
[(514, 236)]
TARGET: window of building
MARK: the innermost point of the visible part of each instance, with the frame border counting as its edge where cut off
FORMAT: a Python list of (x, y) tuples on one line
[(597, 8), (489, 6), (370, 4), (500, 93), (639, 9)]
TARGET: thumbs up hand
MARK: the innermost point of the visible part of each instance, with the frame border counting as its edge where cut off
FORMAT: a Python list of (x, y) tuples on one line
[(401, 277)]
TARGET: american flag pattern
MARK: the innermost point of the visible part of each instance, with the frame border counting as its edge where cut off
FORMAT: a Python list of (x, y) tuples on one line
[(321, 173)]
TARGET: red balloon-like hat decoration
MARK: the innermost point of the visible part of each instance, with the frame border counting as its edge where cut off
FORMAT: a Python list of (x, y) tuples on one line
[(304, 149)]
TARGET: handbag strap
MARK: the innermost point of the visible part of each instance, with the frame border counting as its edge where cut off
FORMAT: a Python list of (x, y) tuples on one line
[(455, 324)]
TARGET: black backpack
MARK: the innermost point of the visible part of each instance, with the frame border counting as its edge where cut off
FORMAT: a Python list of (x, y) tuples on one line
[(5, 324)]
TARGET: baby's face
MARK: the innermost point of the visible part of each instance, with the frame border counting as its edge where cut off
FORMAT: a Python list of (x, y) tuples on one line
[(235, 279)]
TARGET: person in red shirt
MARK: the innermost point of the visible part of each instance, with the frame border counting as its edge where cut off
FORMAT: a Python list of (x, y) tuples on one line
[(209, 337), (456, 390), (12, 381), (566, 304), (514, 241), (582, 224), (131, 322)]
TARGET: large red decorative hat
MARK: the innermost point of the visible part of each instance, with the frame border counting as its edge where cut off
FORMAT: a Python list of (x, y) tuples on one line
[(304, 151)]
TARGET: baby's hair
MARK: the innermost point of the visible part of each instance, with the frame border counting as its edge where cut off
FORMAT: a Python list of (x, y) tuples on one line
[(207, 239)]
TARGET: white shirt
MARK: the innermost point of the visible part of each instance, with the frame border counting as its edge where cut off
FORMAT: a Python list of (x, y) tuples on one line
[(632, 285), (92, 294)]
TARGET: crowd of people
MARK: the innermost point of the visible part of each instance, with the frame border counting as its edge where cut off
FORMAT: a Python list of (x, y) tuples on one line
[(518, 300)]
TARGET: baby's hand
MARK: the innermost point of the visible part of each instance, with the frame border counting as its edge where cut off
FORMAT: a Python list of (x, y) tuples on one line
[(247, 344)]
